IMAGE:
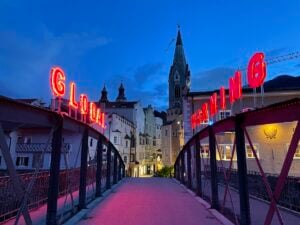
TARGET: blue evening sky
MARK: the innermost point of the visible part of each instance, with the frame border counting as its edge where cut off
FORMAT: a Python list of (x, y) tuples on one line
[(99, 42)]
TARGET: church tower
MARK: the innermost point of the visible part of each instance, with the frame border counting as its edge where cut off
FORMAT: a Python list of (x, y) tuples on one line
[(121, 97), (179, 76), (104, 95)]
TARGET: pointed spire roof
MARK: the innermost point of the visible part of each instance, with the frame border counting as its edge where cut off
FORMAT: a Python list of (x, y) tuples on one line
[(179, 56), (121, 86), (104, 95), (121, 97), (179, 39)]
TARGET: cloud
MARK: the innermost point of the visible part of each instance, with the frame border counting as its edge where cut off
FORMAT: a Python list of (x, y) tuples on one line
[(146, 83), (147, 72), (211, 79), (25, 61)]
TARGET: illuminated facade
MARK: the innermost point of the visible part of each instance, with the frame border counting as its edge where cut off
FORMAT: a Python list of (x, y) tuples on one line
[(143, 159), (270, 140)]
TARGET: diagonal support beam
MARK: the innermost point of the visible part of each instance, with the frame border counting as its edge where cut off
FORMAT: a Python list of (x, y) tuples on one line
[(284, 173), (263, 175), (17, 184)]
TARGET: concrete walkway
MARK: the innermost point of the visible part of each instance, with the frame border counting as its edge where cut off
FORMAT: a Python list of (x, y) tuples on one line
[(150, 201)]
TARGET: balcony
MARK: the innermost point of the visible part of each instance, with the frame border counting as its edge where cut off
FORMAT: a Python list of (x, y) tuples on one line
[(39, 147)]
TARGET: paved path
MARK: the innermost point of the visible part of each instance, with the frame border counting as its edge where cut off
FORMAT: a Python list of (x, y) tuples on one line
[(150, 201)]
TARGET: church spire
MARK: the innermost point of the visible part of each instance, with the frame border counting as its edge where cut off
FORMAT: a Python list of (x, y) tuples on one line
[(104, 95), (179, 39), (121, 97), (179, 76), (179, 57)]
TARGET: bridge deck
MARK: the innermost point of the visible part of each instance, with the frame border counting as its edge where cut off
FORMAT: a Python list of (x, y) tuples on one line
[(150, 201)]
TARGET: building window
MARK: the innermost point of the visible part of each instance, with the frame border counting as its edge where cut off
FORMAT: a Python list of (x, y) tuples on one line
[(166, 132), (126, 143), (27, 140), (225, 153), (224, 114), (125, 159), (177, 92), (249, 151), (91, 142), (297, 152), (205, 151), (22, 161), (154, 143), (115, 139)]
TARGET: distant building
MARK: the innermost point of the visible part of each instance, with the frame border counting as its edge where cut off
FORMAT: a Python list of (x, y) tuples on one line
[(179, 86), (120, 132), (271, 141), (143, 153)]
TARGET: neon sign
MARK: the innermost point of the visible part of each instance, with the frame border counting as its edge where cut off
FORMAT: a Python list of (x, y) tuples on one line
[(57, 78), (58, 88), (256, 75)]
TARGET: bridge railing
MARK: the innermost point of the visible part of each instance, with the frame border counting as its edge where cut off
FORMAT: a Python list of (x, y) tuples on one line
[(215, 164), (71, 180)]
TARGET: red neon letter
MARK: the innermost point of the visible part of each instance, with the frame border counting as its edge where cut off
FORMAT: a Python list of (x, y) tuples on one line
[(83, 104), (205, 112), (235, 87), (199, 117), (222, 98), (57, 84), (193, 124), (72, 101), (100, 118), (93, 112), (256, 70), (213, 105)]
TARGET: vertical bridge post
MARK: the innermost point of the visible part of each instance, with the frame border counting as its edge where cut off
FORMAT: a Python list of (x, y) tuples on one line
[(182, 167), (198, 167), (54, 173), (213, 169), (242, 171), (99, 167), (108, 166), (115, 174), (189, 167), (83, 169)]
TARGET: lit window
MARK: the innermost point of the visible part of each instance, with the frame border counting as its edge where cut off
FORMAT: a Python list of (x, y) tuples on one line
[(249, 151), (297, 153), (204, 151), (225, 152), (224, 114)]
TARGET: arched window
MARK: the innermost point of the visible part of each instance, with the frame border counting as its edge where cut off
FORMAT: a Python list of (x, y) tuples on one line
[(177, 92)]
